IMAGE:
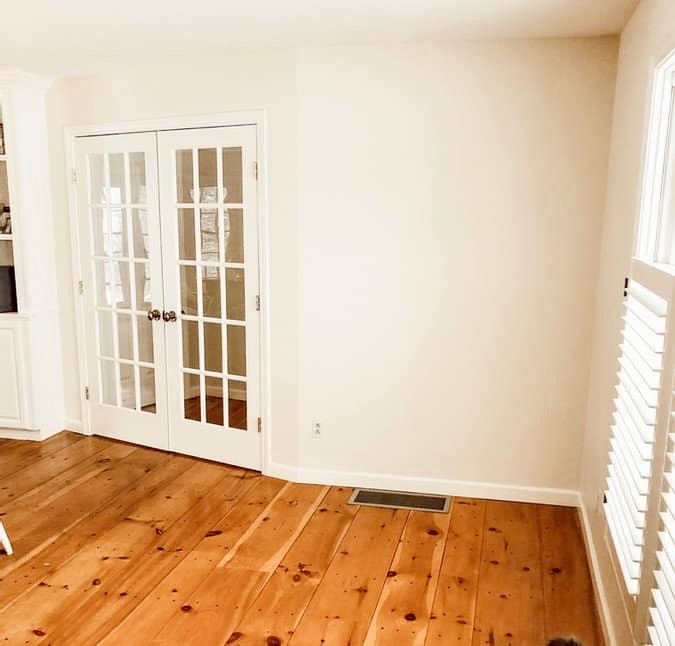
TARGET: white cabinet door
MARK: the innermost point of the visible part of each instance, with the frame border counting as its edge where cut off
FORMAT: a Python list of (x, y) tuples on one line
[(13, 396)]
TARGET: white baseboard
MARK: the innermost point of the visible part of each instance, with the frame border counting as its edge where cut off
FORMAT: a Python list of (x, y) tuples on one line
[(487, 490), (74, 425), (20, 434), (596, 576)]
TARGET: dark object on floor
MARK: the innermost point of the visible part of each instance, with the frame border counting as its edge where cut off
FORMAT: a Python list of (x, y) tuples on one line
[(559, 641), (400, 500)]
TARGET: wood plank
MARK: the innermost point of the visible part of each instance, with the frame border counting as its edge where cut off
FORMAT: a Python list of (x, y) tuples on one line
[(158, 469), (34, 520), (57, 600), (147, 565), (25, 454), (510, 602), (156, 609), (276, 612), (570, 608), (342, 607), (403, 613), (455, 603), (6, 443), (212, 611), (13, 486)]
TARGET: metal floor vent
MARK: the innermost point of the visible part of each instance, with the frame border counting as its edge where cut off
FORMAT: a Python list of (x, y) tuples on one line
[(400, 500)]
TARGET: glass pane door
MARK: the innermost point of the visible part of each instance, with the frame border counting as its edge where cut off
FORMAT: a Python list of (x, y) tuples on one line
[(120, 250), (209, 215)]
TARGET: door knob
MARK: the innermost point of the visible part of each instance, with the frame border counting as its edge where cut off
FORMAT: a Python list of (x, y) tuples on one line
[(169, 316), (154, 315)]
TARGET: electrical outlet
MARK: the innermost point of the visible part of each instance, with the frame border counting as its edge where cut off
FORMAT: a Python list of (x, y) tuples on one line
[(316, 430)]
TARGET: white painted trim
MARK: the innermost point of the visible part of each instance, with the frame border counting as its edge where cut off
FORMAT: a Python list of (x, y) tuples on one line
[(217, 391), (596, 576), (80, 320), (265, 323), (74, 425), (257, 118), (20, 434), (237, 118), (647, 230), (441, 486)]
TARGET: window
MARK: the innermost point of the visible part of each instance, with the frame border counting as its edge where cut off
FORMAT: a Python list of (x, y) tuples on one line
[(640, 496)]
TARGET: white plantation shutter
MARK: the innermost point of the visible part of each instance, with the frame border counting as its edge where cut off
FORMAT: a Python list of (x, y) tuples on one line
[(633, 429), (641, 486), (662, 629)]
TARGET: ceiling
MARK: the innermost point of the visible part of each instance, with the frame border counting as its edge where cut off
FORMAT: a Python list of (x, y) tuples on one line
[(70, 35)]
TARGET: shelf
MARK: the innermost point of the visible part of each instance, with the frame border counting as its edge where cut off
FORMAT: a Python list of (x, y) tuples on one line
[(3, 158), (6, 236)]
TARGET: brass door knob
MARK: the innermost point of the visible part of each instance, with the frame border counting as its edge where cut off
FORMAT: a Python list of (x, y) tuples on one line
[(154, 315), (169, 316)]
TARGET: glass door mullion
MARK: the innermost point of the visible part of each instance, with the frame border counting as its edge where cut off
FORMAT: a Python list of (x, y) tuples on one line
[(133, 297), (111, 277), (196, 197), (222, 273)]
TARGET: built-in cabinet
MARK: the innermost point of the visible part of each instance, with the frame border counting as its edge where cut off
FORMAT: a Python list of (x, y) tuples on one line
[(31, 381)]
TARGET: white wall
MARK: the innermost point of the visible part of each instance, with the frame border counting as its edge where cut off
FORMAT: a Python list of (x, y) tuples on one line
[(435, 214), (450, 202), (649, 36)]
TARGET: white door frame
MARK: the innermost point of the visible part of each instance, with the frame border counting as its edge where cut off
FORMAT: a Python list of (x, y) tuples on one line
[(257, 118)]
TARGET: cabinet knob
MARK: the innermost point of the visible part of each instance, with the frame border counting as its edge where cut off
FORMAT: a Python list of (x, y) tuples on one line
[(154, 315), (169, 316)]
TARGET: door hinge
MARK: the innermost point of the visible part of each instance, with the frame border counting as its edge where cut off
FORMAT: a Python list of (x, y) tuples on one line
[(260, 425), (73, 176), (257, 303), (255, 169), (80, 286), (86, 392), (626, 282)]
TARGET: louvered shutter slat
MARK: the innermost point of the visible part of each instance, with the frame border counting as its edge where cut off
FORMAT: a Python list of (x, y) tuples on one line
[(654, 637), (649, 395), (665, 619), (655, 321), (666, 591), (659, 629), (638, 362), (636, 449), (631, 536), (622, 500), (633, 431), (663, 596), (650, 357), (630, 570), (632, 464), (638, 327)]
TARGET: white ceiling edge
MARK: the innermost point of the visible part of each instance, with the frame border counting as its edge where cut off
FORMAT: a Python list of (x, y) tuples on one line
[(80, 36)]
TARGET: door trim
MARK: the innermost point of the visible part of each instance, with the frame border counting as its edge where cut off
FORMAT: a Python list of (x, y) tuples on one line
[(257, 118)]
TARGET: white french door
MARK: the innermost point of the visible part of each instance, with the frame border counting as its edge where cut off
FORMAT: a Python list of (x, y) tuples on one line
[(209, 241), (169, 249), (118, 210)]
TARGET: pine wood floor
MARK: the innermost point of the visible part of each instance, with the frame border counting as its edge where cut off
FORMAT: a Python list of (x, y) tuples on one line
[(118, 544)]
